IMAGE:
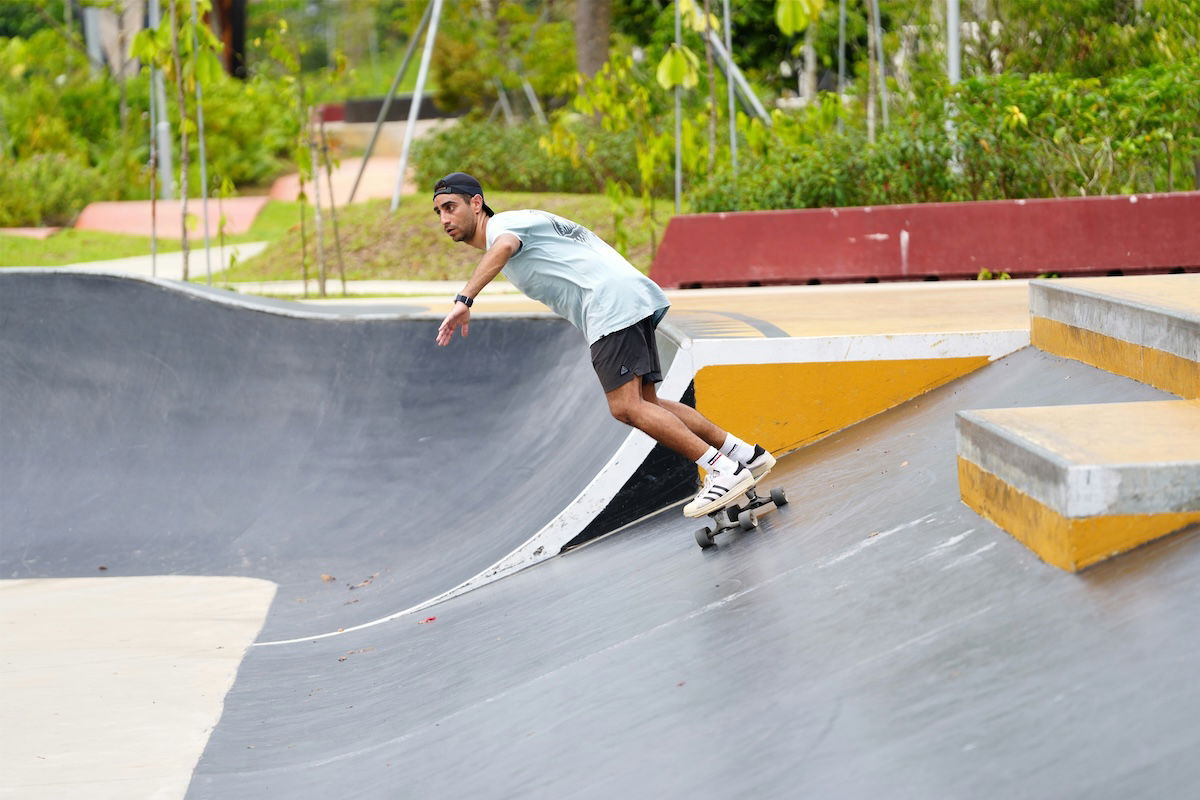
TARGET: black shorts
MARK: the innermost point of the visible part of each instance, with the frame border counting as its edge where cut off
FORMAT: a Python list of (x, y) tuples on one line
[(623, 355)]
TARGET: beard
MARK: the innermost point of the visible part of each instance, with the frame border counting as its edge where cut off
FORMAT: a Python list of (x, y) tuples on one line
[(464, 232)]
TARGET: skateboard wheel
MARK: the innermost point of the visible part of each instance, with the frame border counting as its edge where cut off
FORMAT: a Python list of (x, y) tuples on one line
[(704, 538), (747, 520), (779, 497)]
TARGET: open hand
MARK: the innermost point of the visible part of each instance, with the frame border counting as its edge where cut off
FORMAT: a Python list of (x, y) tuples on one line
[(459, 316)]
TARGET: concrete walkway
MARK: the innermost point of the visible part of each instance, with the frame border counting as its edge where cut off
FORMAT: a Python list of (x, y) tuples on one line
[(170, 265)]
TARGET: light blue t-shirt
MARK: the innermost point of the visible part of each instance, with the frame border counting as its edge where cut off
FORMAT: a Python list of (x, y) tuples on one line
[(575, 273)]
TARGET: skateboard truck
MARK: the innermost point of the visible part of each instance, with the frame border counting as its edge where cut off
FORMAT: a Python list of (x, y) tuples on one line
[(739, 515)]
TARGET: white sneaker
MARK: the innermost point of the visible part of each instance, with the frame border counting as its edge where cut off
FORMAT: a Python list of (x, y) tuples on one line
[(719, 488), (761, 463)]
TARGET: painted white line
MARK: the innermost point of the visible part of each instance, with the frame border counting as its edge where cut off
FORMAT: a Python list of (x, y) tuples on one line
[(692, 354), (969, 556), (871, 540), (869, 347), (548, 541), (940, 549)]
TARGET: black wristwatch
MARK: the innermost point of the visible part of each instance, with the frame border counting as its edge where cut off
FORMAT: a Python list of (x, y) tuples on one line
[(462, 298)]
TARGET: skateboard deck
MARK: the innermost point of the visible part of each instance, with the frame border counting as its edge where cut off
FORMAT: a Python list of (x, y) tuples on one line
[(741, 512)]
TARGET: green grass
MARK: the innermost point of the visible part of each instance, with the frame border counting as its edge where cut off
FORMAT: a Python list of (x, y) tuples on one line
[(71, 246), (376, 244), (410, 244)]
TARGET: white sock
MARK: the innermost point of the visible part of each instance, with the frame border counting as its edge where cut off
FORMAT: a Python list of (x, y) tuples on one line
[(715, 461), (736, 449)]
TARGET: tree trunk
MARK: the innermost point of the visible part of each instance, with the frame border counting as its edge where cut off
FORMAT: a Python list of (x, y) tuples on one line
[(593, 23)]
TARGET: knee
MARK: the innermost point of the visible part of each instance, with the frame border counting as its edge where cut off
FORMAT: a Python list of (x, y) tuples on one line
[(622, 411)]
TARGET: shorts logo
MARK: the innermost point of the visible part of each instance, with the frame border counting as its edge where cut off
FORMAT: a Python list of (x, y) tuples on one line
[(624, 370)]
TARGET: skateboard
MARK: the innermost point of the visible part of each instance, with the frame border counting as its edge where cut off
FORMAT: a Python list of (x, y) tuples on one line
[(742, 512)]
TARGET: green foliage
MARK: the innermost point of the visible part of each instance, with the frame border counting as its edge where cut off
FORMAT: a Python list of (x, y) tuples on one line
[(793, 16), (1093, 38), (512, 159), (989, 138), (20, 18), (986, 274), (60, 130), (49, 189), (477, 53)]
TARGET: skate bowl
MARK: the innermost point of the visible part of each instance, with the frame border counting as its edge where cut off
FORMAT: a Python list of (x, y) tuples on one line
[(306, 478), (154, 428)]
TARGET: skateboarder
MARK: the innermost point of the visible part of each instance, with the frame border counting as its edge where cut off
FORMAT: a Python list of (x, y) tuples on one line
[(572, 271)]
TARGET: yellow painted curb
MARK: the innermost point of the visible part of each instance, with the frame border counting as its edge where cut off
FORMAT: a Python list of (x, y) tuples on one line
[(1070, 544), (1160, 369), (785, 406)]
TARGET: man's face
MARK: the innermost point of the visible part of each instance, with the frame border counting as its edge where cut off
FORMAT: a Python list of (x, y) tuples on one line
[(457, 215)]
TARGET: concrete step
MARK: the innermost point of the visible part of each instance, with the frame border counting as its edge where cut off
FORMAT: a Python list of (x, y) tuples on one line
[(1079, 484), (1145, 327)]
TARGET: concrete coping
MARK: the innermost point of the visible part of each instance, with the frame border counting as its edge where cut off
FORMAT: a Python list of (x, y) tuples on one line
[(1161, 312), (1092, 460)]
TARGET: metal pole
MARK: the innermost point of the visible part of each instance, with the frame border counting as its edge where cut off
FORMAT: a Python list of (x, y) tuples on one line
[(153, 199), (841, 84), (166, 169), (953, 46), (883, 97), (730, 92), (505, 106), (534, 103), (740, 79), (415, 109), (200, 143), (91, 37), (954, 73), (678, 123), (387, 101)]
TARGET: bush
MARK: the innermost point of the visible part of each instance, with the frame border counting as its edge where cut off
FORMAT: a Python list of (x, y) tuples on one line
[(512, 159), (62, 146), (991, 138), (48, 189)]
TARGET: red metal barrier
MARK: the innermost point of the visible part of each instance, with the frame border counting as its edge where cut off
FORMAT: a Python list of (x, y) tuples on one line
[(1070, 236)]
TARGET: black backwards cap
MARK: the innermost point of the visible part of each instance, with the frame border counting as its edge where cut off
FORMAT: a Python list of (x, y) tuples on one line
[(461, 183)]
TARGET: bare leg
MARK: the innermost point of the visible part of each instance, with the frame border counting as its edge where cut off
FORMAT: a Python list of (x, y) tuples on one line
[(628, 404), (696, 422)]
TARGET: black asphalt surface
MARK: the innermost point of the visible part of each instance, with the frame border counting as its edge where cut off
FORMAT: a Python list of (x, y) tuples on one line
[(149, 431), (874, 638)]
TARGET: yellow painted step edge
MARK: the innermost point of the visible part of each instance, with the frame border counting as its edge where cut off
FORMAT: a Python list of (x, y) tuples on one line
[(1070, 544), (1160, 369)]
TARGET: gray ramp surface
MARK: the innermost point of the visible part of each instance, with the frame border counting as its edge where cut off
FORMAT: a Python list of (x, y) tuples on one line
[(874, 638), (148, 429)]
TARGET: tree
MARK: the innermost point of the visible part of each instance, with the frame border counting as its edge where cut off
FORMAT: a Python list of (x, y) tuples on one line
[(593, 29)]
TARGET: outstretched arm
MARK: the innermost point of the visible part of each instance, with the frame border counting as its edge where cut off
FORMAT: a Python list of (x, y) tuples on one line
[(489, 267)]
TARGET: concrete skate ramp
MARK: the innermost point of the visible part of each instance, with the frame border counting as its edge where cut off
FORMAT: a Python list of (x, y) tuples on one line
[(874, 638), (152, 429)]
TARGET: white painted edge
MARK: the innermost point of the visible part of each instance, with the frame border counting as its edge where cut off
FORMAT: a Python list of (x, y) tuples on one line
[(864, 347), (691, 355), (548, 541)]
